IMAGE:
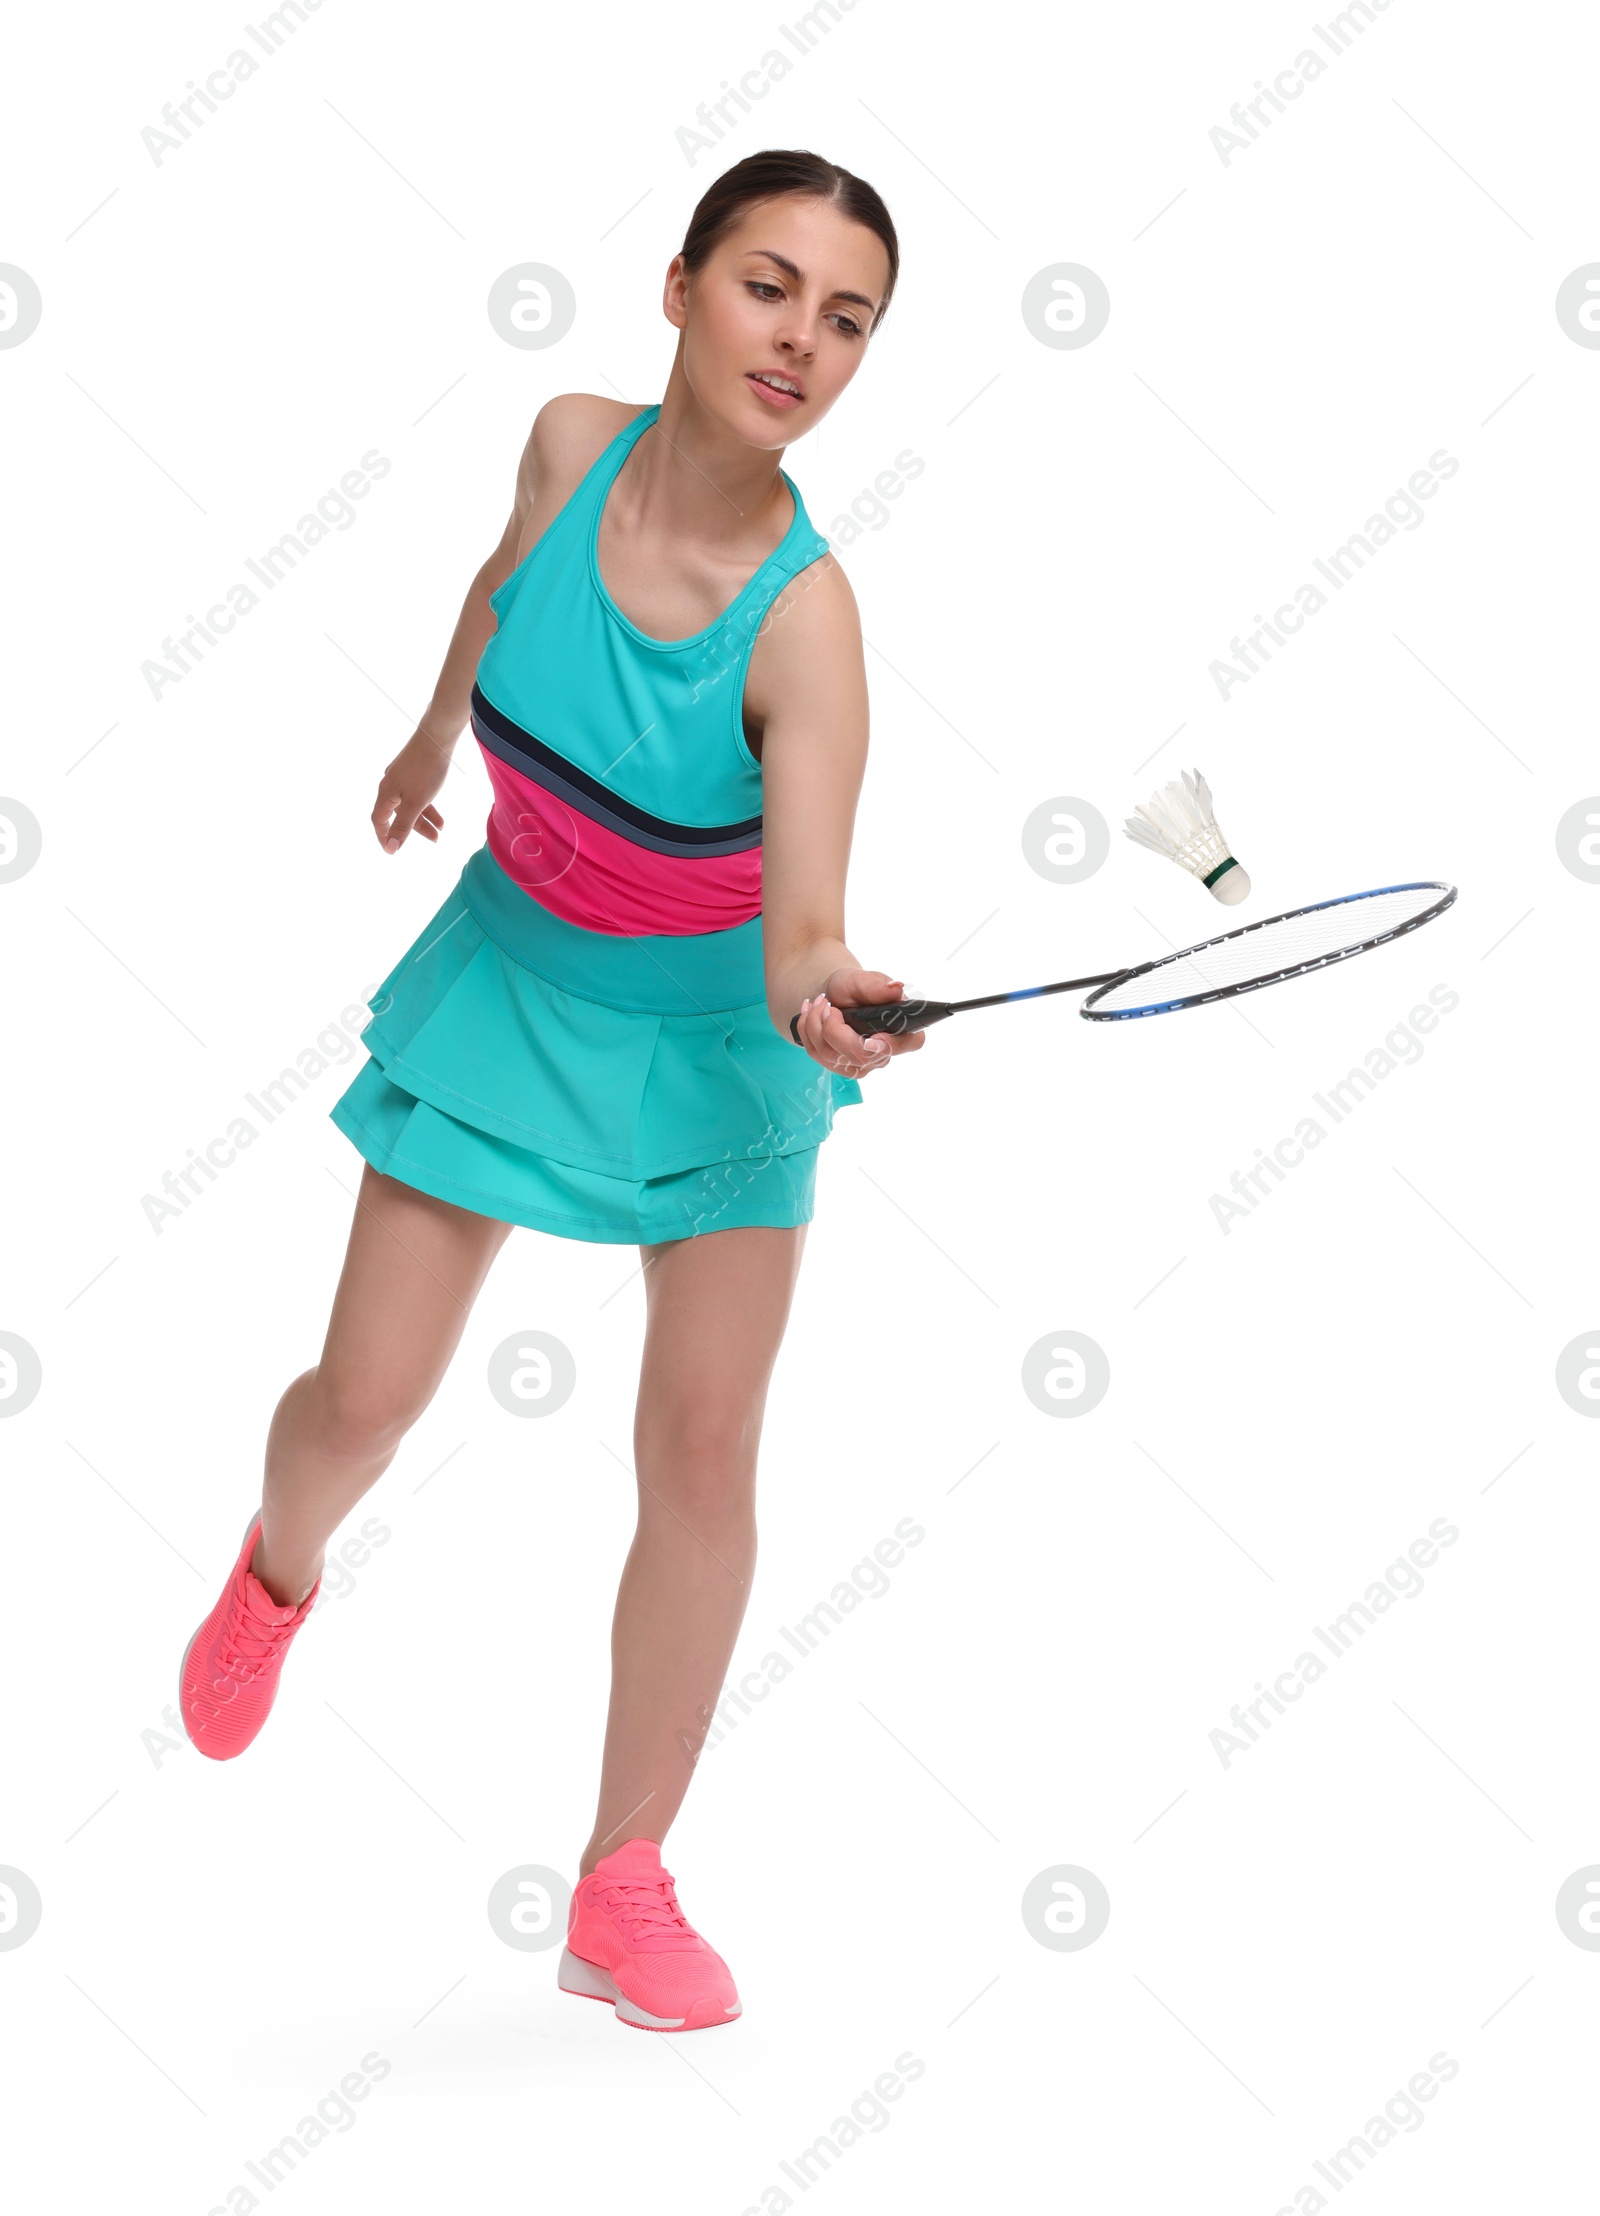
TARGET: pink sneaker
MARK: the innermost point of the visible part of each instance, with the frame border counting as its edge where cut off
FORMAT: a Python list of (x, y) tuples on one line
[(630, 1943), (229, 1677)]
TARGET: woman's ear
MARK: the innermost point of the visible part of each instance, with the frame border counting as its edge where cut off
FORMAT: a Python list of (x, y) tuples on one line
[(675, 293)]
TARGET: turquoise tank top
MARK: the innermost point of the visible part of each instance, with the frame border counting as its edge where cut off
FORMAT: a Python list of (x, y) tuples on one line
[(625, 797)]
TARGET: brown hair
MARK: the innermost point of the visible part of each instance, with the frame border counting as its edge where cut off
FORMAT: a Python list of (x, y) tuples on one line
[(777, 170)]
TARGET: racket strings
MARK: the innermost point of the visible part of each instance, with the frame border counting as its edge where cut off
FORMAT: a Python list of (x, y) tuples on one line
[(1272, 949)]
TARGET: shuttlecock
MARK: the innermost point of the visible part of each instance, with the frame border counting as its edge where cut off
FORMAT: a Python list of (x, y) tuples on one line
[(1179, 824)]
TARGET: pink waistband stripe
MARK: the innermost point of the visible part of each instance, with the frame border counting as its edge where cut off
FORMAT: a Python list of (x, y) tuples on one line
[(588, 874)]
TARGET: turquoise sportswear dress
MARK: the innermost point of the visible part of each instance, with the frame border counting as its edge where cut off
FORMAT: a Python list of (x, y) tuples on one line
[(578, 1040)]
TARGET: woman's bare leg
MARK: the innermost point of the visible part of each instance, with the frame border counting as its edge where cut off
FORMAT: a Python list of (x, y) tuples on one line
[(716, 1307), (413, 1268)]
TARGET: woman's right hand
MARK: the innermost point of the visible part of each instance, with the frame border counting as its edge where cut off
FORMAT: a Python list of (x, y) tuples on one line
[(405, 797), (836, 1044)]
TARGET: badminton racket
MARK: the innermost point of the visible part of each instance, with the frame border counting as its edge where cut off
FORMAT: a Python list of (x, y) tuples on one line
[(1239, 961)]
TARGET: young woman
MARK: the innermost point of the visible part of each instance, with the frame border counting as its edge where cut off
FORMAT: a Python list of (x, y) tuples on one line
[(592, 1037)]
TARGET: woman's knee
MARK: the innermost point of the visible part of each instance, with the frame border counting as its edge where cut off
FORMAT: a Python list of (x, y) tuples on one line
[(356, 1417), (703, 1461)]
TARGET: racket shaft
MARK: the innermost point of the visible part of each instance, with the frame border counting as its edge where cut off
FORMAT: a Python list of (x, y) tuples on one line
[(916, 1015)]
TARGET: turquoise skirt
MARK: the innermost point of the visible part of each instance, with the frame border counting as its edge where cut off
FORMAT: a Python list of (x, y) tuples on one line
[(626, 1090)]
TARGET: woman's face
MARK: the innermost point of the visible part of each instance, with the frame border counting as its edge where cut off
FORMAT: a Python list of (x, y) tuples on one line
[(789, 293)]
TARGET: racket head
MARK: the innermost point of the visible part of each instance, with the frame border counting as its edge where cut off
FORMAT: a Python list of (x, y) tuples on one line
[(1268, 952)]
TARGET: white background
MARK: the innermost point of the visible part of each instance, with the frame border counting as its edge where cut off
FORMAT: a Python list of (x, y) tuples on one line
[(1292, 1936)]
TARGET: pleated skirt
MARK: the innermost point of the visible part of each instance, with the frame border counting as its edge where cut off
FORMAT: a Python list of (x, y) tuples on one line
[(615, 1089)]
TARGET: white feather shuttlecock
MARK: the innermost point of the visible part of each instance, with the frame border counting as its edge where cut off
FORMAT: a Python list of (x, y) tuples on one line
[(1179, 823)]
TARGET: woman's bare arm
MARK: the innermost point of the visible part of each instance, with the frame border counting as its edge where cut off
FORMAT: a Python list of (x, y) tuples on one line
[(813, 758), (568, 432)]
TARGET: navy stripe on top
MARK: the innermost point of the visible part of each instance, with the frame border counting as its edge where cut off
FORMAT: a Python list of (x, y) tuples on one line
[(500, 736)]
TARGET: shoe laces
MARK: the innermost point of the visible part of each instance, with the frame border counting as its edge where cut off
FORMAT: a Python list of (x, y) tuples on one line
[(646, 1907), (247, 1643)]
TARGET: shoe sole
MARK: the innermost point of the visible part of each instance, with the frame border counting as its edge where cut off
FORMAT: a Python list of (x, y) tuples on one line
[(590, 1983), (183, 1671)]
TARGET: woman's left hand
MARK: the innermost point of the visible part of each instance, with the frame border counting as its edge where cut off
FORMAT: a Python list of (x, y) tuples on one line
[(827, 1037)]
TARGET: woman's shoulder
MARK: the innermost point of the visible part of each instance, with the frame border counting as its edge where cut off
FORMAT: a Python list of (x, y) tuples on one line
[(819, 597), (811, 638), (573, 430)]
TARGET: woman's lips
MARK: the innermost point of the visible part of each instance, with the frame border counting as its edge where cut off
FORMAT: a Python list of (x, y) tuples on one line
[(770, 393)]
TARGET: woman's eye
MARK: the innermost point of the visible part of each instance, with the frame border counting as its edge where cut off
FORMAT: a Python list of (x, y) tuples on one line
[(765, 290)]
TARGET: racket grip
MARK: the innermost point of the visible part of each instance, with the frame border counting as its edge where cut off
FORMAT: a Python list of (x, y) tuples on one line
[(889, 1015)]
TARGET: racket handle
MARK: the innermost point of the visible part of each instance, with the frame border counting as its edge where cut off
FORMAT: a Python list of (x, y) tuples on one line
[(889, 1015)]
